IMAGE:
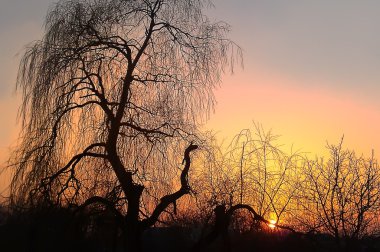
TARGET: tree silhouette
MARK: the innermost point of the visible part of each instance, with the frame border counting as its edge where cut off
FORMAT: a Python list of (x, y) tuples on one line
[(111, 95), (252, 170), (340, 195)]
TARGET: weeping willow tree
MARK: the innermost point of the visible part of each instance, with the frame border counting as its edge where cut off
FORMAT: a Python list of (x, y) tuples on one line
[(113, 94)]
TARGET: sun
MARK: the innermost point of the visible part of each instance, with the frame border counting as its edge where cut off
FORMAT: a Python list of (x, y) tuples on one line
[(272, 224)]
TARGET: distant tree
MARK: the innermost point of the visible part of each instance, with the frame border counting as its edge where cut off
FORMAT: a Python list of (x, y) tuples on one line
[(113, 92), (340, 195), (253, 170)]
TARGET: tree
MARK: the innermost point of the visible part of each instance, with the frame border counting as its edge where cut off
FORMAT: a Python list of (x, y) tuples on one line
[(340, 196), (111, 94), (253, 170)]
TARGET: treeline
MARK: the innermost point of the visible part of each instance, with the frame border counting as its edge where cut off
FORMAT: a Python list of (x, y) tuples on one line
[(247, 196), (337, 194)]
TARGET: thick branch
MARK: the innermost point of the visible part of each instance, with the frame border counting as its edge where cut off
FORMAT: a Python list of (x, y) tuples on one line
[(146, 132), (172, 198)]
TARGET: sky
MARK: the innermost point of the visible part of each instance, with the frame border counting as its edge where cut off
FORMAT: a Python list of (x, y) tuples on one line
[(311, 70)]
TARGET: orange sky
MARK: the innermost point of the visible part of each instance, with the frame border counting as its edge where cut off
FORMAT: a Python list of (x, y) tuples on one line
[(306, 118)]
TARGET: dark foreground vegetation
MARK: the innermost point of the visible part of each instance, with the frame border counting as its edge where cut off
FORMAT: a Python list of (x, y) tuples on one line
[(64, 229)]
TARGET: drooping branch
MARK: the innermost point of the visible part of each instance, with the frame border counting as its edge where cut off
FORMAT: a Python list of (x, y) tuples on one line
[(73, 161), (257, 217)]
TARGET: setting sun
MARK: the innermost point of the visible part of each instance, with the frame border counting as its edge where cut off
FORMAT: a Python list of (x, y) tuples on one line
[(272, 224)]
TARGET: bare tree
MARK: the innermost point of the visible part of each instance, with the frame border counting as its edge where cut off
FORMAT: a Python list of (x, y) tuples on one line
[(111, 94), (246, 185), (253, 170), (270, 174), (341, 195)]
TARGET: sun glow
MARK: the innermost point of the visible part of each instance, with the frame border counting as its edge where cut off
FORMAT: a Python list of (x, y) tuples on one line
[(272, 224)]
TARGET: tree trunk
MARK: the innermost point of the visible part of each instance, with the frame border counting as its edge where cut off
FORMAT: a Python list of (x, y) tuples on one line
[(133, 229), (132, 237), (220, 229)]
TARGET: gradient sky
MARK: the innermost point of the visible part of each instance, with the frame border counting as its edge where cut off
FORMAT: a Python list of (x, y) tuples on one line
[(311, 70)]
